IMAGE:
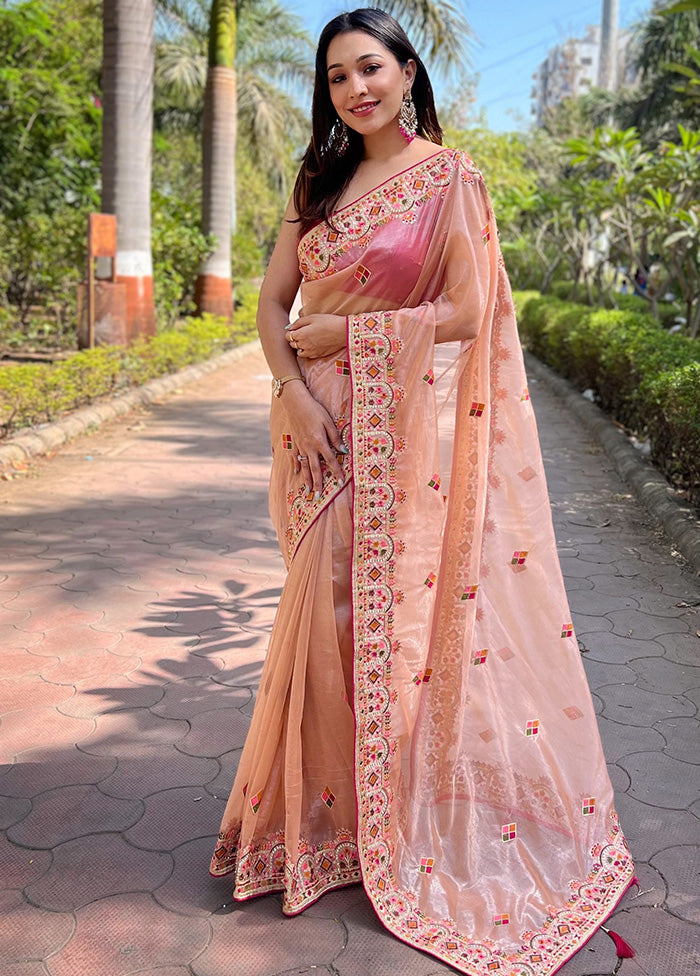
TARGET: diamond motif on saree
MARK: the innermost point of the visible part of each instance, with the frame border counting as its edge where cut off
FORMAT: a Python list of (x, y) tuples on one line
[(480, 657), (328, 796), (508, 832), (470, 592), (589, 806), (532, 728), (426, 865), (477, 409), (567, 630), (503, 919), (342, 367)]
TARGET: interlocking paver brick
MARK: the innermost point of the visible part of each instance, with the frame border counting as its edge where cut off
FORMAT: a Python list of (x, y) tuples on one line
[(117, 691), (182, 699), (190, 890), (632, 706), (173, 817), (650, 829), (621, 740), (90, 868), (39, 770), (24, 728), (660, 779), (67, 812), (682, 648), (680, 868), (162, 545), (129, 934), (635, 623), (19, 866), (665, 677), (159, 770), (132, 732), (12, 809), (30, 933), (670, 946), (30, 688), (251, 930), (215, 732)]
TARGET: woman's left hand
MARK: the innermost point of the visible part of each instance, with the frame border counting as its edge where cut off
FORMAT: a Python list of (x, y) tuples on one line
[(317, 336)]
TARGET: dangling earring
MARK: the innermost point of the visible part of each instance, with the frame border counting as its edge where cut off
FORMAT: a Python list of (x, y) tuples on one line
[(339, 141), (408, 120)]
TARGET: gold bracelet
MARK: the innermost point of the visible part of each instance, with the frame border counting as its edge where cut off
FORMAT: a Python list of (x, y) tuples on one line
[(277, 384)]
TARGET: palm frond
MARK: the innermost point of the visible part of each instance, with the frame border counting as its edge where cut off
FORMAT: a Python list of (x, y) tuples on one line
[(438, 28)]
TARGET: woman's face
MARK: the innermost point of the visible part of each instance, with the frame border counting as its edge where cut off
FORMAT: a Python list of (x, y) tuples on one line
[(366, 82)]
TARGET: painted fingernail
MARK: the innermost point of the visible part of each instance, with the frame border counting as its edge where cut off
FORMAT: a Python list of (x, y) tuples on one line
[(288, 327), (343, 449), (317, 496)]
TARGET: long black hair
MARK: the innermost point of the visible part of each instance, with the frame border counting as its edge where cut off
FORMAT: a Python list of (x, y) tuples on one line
[(325, 174)]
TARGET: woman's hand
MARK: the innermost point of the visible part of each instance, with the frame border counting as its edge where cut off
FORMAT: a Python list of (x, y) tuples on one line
[(314, 436), (317, 336)]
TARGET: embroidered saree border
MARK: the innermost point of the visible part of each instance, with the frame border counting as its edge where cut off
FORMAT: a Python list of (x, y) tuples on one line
[(371, 349), (265, 867)]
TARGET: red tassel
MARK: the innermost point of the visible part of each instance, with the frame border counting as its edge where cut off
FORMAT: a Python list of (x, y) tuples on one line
[(624, 949)]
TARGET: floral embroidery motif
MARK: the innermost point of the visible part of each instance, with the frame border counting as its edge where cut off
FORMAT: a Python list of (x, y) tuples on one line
[(567, 630), (398, 198), (508, 832), (266, 866), (532, 728), (589, 806)]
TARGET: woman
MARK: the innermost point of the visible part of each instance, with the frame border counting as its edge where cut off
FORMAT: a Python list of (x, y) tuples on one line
[(423, 722)]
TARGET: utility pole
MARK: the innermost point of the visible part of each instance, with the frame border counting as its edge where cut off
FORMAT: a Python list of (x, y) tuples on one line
[(607, 62)]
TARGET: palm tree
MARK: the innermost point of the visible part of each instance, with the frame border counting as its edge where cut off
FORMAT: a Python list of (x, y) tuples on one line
[(258, 47), (127, 101)]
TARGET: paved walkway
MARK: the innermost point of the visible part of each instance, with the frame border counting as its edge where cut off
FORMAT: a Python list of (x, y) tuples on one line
[(138, 579)]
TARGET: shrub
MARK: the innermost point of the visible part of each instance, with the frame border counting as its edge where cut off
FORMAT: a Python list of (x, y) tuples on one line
[(649, 380), (37, 392)]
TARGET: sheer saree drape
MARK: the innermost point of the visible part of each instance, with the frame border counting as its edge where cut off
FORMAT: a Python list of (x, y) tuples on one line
[(423, 722)]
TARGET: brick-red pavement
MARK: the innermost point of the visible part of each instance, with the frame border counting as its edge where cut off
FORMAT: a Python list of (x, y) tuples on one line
[(138, 580)]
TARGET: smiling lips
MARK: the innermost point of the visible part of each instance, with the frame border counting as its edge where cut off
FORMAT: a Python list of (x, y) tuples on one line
[(364, 108)]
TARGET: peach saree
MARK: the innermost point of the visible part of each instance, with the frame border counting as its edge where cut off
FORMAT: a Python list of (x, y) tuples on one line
[(423, 723)]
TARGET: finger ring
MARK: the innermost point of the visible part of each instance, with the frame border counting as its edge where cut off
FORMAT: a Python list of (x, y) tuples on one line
[(302, 457)]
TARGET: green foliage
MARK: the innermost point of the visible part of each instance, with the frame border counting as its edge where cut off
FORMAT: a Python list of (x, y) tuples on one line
[(178, 247), (38, 392), (645, 377), (245, 313)]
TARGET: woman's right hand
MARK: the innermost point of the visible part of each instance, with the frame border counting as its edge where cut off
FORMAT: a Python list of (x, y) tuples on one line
[(314, 436)]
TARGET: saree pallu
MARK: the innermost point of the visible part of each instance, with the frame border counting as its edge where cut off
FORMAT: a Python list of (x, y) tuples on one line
[(423, 723)]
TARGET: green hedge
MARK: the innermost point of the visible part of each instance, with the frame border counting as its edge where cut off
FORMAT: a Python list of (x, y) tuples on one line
[(39, 392), (649, 380)]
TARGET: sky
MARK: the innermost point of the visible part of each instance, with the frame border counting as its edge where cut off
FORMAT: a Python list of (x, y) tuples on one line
[(512, 38)]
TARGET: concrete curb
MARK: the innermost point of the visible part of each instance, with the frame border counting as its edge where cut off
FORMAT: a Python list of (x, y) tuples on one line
[(679, 519), (36, 441)]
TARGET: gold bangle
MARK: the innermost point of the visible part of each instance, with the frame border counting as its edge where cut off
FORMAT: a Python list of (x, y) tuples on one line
[(278, 383)]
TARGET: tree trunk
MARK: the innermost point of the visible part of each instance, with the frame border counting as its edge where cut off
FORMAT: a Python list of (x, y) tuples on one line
[(213, 289), (127, 127)]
